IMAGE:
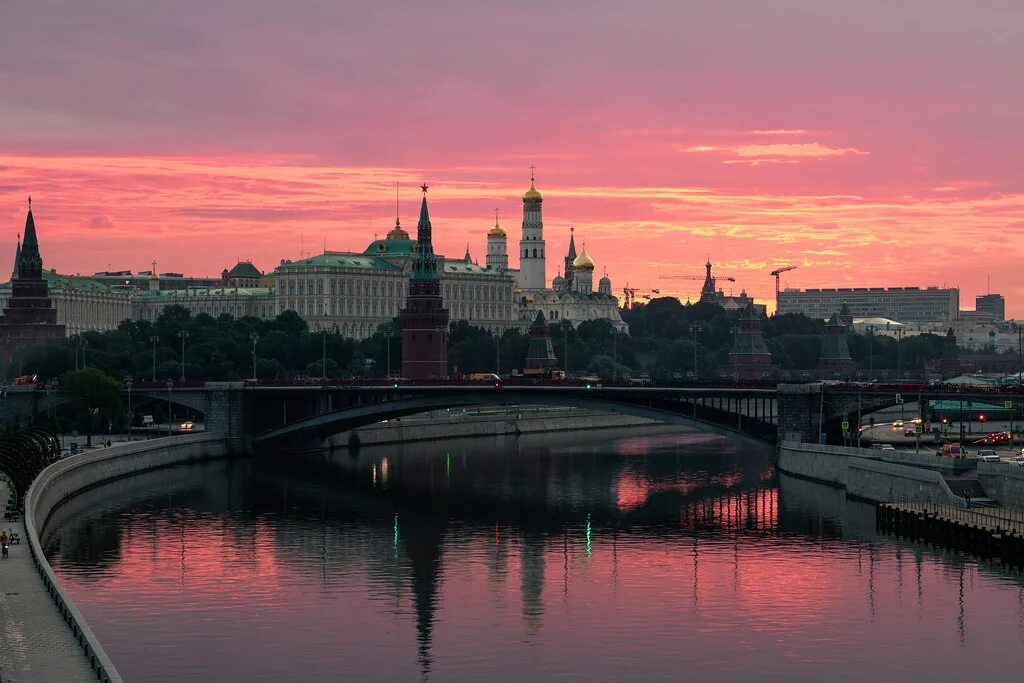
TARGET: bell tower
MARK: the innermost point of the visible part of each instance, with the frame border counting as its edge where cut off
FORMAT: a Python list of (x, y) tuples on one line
[(532, 275)]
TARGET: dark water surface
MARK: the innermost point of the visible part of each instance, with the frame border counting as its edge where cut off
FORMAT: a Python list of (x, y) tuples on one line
[(648, 555)]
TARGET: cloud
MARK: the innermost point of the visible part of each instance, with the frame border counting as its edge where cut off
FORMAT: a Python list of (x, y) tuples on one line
[(780, 131)]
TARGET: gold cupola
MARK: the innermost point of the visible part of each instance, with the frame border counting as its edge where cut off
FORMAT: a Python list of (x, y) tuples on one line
[(532, 195), (583, 261)]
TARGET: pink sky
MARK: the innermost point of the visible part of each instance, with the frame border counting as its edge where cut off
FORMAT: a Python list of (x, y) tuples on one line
[(868, 143)]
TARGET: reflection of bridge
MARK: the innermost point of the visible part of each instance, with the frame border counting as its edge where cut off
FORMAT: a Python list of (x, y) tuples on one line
[(307, 413)]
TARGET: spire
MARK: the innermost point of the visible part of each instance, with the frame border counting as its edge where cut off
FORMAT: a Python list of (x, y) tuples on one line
[(572, 243), (467, 257), (30, 263), (17, 257), (424, 266)]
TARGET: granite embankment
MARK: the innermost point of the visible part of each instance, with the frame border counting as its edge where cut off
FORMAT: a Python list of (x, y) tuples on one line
[(50, 637)]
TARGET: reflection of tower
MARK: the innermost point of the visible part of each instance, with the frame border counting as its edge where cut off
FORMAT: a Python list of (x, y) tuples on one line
[(424, 318), (531, 572), (531, 246), (423, 547)]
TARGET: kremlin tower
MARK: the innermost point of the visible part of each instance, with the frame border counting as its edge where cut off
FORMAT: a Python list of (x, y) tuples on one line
[(424, 319), (30, 316), (497, 247)]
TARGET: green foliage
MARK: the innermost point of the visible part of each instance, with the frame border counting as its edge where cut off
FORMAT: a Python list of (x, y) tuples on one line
[(97, 397)]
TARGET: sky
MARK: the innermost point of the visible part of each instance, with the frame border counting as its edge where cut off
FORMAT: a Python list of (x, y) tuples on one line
[(867, 144)]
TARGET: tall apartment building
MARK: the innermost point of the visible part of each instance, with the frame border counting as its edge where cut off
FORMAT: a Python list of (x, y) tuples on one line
[(902, 304), (993, 304)]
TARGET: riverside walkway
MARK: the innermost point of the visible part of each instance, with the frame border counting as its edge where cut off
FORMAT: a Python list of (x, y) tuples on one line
[(35, 643)]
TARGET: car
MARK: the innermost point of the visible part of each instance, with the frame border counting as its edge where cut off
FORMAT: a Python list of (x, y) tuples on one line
[(883, 447), (951, 450), (185, 426), (897, 424), (1017, 460), (988, 455)]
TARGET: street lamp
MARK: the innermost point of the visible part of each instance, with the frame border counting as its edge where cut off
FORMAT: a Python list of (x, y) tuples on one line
[(871, 351), (497, 352), (170, 385), (323, 357), (128, 383), (253, 337), (614, 355), (694, 329), (154, 339), (899, 350), (183, 335)]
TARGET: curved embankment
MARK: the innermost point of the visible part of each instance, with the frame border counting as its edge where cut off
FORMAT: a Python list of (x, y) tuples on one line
[(62, 480)]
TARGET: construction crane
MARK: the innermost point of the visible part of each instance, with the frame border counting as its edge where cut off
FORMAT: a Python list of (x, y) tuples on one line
[(694, 277), (777, 272), (632, 292)]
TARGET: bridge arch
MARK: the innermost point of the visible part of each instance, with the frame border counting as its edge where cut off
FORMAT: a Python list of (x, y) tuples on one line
[(669, 412)]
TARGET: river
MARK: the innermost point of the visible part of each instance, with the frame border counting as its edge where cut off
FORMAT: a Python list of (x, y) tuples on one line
[(647, 554)]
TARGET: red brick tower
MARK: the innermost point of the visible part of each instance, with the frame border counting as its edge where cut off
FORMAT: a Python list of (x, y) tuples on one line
[(30, 316), (424, 318)]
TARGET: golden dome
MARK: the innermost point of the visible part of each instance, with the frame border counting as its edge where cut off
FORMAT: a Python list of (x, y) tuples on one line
[(583, 261), (496, 231), (397, 233), (532, 195)]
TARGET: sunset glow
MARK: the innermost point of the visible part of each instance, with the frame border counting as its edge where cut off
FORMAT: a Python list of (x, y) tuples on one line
[(867, 144)]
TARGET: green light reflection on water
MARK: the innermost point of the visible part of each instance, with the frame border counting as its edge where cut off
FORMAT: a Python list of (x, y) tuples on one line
[(588, 535)]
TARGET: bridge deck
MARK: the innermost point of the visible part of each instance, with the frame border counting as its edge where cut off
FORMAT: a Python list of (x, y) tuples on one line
[(35, 643)]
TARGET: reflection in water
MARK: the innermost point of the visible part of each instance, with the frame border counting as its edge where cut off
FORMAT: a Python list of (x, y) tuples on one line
[(652, 555)]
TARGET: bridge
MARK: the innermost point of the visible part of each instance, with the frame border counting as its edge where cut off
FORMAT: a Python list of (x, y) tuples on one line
[(263, 414)]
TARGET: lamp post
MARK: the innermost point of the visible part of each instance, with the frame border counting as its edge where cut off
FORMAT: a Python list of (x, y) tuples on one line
[(497, 352), (183, 335), (899, 351), (170, 385), (253, 337), (154, 339), (388, 366), (51, 388), (871, 351), (694, 329), (323, 355), (614, 356), (128, 383)]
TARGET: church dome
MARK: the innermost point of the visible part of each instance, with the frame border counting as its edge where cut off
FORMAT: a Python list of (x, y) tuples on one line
[(605, 281), (559, 280), (397, 233), (532, 195), (583, 261), (496, 231)]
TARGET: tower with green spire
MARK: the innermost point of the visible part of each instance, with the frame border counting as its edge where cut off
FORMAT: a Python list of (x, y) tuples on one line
[(29, 316), (424, 319)]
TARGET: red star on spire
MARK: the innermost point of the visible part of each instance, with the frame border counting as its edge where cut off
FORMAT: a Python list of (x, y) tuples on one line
[(424, 187)]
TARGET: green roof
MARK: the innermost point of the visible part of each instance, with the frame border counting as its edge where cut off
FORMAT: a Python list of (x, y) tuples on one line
[(59, 281), (218, 291), (389, 247), (244, 269), (343, 260), (460, 266)]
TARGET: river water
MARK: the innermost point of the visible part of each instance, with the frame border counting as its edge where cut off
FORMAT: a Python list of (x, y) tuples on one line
[(643, 554)]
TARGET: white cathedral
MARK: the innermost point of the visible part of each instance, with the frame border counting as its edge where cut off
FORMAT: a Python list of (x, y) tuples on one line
[(571, 296)]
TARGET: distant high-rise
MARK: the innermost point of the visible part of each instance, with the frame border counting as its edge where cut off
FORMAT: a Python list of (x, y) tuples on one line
[(30, 316), (424, 319), (902, 304), (993, 304)]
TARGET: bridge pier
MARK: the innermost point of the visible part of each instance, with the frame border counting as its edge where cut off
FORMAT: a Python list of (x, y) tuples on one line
[(800, 412), (225, 411)]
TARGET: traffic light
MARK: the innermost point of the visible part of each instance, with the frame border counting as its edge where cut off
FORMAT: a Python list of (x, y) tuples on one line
[(981, 418)]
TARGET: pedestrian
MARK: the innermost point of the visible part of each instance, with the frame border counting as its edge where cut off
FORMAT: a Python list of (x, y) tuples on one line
[(967, 497)]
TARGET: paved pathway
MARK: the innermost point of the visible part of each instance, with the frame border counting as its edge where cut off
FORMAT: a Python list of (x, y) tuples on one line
[(35, 643)]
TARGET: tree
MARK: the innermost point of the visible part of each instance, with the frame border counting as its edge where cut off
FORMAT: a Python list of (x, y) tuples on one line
[(96, 394)]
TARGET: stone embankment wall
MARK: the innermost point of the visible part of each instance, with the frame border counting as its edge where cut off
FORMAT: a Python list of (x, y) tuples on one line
[(485, 423), (1003, 482), (863, 473), (62, 480)]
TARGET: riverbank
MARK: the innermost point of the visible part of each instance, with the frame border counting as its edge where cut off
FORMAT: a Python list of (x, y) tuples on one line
[(35, 643), (45, 637)]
